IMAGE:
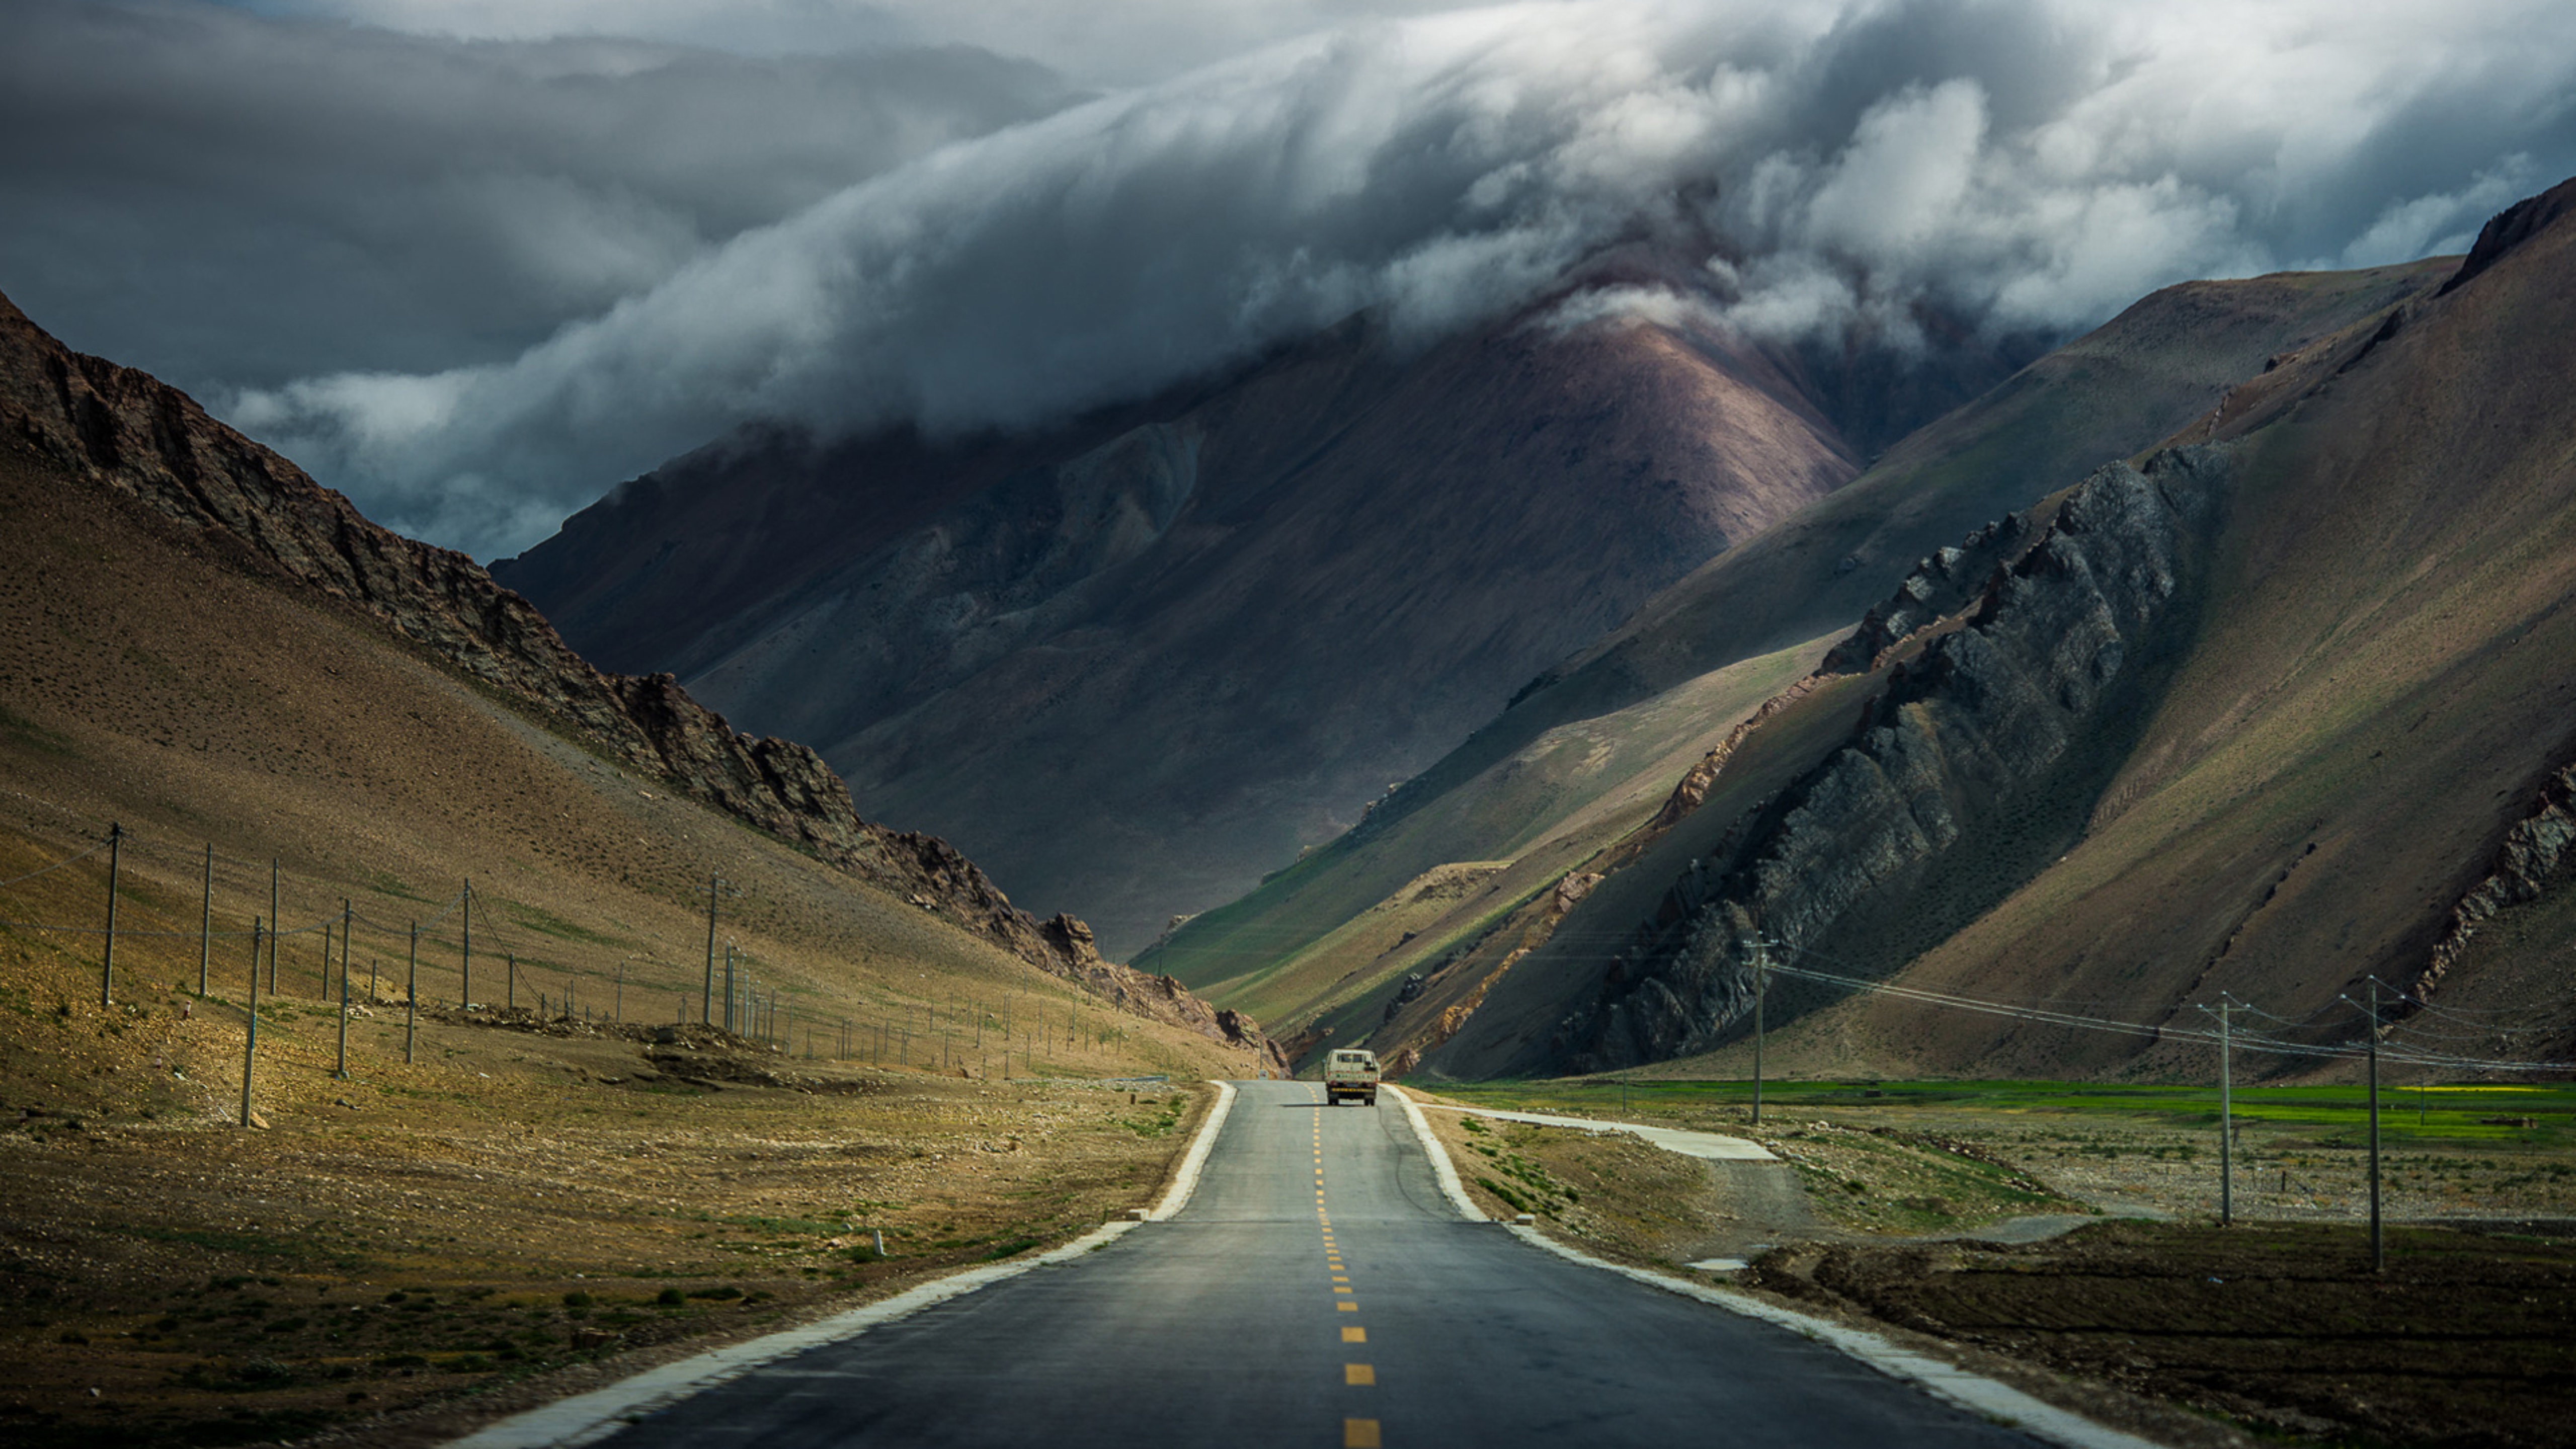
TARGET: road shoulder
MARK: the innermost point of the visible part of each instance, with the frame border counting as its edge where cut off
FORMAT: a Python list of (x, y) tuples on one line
[(589, 1417), (1973, 1391)]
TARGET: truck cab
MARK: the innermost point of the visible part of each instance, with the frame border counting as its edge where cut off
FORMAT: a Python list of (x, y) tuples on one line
[(1352, 1073)]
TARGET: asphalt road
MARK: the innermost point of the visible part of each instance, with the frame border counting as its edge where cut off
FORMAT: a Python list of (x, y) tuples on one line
[(1319, 1291)]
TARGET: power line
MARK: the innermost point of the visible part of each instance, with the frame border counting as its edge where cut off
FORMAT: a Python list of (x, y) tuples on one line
[(57, 865)]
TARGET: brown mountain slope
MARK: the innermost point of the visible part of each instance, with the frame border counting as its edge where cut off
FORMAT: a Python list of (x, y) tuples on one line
[(2284, 711), (1611, 729), (1221, 622), (107, 434)]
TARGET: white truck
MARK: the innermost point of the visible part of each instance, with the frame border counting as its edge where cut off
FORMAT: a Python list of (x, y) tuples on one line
[(1350, 1072)]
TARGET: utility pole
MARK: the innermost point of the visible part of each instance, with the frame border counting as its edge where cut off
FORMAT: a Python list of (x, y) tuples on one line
[(465, 966), (2226, 1113), (342, 1070), (411, 1005), (2378, 1248), (729, 987), (715, 888), (206, 921), (250, 1028), (107, 958), (1760, 951)]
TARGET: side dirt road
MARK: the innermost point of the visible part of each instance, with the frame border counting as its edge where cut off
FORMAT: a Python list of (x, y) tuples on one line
[(546, 1211)]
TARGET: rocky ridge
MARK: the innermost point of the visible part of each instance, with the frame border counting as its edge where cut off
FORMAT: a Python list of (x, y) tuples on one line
[(2527, 864), (1960, 737), (136, 437)]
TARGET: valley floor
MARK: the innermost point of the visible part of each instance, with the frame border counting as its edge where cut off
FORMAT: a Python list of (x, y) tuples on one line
[(2063, 1237)]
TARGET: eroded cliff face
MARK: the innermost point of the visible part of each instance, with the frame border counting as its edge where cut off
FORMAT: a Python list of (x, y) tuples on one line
[(2010, 702), (137, 437)]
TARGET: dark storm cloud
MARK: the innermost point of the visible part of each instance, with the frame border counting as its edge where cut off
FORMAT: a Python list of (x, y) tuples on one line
[(227, 199), (2032, 165)]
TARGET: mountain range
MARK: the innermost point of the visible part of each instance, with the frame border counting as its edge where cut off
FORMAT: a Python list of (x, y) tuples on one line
[(2272, 704), (1141, 660), (1487, 701)]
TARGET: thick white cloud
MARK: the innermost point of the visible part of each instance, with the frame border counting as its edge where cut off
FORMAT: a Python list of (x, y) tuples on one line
[(2025, 164)]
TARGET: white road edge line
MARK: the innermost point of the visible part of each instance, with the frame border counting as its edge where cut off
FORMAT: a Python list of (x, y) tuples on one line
[(1441, 1167), (1973, 1392), (591, 1417), (1186, 1181)]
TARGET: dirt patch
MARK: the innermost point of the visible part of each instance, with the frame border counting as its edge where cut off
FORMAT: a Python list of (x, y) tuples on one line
[(1611, 1193), (2462, 1341)]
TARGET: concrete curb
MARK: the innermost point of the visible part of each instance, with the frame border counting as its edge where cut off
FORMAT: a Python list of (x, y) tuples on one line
[(1441, 1167), (588, 1418), (1976, 1394), (1186, 1181)]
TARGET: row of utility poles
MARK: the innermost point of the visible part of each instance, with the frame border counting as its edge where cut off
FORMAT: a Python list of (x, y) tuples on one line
[(1756, 949), (2226, 1015)]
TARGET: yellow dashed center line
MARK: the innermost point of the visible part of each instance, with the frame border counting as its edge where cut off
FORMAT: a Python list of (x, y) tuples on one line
[(1356, 1433)]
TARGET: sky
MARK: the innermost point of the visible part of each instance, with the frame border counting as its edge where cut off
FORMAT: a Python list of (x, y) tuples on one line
[(476, 261)]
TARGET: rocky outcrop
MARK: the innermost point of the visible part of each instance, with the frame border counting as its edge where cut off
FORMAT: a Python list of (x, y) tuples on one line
[(1945, 581), (2512, 227), (1942, 583), (1142, 993), (2532, 857), (1691, 791), (129, 433), (1405, 995), (1957, 739)]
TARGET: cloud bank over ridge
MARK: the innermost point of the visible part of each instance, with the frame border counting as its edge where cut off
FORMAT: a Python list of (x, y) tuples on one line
[(2026, 164)]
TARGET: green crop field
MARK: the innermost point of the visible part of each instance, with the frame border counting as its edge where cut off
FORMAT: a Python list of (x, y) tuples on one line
[(2458, 1112)]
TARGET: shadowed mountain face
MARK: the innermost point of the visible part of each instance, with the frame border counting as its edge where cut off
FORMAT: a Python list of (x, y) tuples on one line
[(1140, 661), (1597, 745)]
